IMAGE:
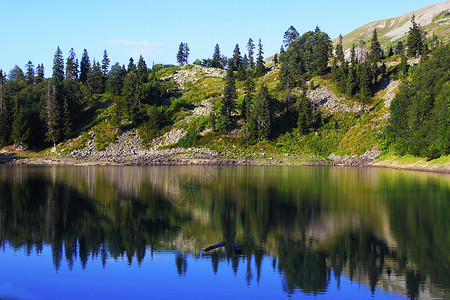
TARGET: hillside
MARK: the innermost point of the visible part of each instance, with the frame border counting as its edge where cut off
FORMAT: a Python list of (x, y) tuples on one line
[(433, 19), (307, 109)]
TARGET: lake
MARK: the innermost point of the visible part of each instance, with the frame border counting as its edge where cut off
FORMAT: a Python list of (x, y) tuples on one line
[(301, 232)]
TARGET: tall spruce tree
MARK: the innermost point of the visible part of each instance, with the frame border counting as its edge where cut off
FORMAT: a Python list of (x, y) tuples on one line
[(72, 66), (30, 74), (58, 66), (229, 94), (216, 59), (237, 58), (376, 53), (290, 35), (261, 114), (260, 66), (105, 63), (53, 113), (95, 79), (4, 112), (40, 73), (85, 66), (415, 40), (251, 48), (142, 70)]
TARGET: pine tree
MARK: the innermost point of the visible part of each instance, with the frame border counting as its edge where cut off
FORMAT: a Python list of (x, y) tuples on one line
[(275, 59), (58, 66), (340, 57), (216, 59), (250, 48), (376, 54), (52, 113), (4, 112), (290, 35), (40, 73), (261, 114), (183, 54), (142, 70), (403, 66), (72, 66), (260, 66), (131, 66), (415, 41), (30, 75), (114, 83), (305, 115), (353, 59), (105, 63), (229, 94), (95, 79), (399, 48), (237, 58), (85, 66), (20, 128)]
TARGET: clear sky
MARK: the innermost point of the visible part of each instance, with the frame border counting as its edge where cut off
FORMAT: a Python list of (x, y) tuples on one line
[(32, 29)]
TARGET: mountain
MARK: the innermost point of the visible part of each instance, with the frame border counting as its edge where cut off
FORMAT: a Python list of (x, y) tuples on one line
[(433, 19)]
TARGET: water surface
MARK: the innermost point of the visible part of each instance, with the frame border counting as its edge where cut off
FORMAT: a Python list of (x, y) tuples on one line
[(139, 232)]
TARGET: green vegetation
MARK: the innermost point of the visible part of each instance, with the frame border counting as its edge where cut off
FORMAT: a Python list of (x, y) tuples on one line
[(252, 107)]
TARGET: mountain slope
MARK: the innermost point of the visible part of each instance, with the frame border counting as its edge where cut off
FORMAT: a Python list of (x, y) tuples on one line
[(433, 19)]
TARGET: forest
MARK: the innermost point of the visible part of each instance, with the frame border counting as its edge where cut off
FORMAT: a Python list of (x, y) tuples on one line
[(38, 111)]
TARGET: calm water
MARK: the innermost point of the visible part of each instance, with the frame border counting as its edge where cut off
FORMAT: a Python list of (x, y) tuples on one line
[(304, 232)]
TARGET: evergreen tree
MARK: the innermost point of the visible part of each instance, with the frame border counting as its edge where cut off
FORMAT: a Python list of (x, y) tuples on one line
[(40, 73), (133, 97), (30, 75), (249, 89), (20, 128), (290, 35), (58, 66), (85, 66), (4, 112), (261, 114), (229, 95), (72, 66), (245, 63), (376, 54), (403, 66), (399, 48), (183, 54), (131, 66), (52, 113), (415, 40), (275, 59), (260, 66), (250, 48), (105, 63), (340, 51), (364, 80), (305, 115), (216, 59), (142, 70), (353, 59), (114, 83), (95, 79), (237, 58)]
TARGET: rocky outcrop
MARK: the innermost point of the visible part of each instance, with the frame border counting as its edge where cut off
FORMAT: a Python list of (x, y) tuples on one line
[(355, 160), (193, 73), (329, 102)]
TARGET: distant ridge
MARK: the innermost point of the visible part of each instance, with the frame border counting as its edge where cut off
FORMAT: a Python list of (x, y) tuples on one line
[(434, 19)]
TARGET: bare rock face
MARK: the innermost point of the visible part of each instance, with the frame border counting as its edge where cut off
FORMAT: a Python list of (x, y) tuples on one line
[(192, 73), (329, 102), (355, 160)]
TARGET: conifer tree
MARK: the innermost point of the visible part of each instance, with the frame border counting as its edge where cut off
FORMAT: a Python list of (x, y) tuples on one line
[(58, 66), (105, 63), (85, 66), (30, 75), (52, 113), (20, 128), (250, 48), (237, 58), (95, 79), (305, 115), (40, 73), (183, 54), (4, 112), (399, 48), (216, 59), (261, 114), (415, 40), (260, 66), (131, 66), (290, 35), (376, 54), (353, 59), (229, 94), (340, 51), (72, 66), (142, 70)]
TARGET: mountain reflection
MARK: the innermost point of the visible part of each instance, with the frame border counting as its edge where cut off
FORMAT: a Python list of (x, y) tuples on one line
[(385, 229)]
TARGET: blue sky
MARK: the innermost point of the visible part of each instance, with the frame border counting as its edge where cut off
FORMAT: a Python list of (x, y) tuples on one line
[(32, 30)]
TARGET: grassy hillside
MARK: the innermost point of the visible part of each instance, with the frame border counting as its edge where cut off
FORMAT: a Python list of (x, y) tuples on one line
[(433, 19)]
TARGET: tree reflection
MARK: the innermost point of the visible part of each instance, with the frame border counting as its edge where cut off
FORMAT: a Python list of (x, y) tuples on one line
[(312, 226)]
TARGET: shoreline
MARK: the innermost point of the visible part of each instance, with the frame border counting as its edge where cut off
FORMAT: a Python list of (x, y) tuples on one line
[(198, 158)]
